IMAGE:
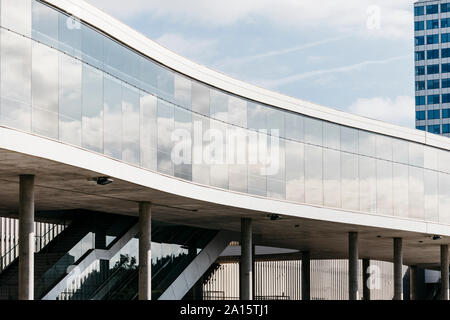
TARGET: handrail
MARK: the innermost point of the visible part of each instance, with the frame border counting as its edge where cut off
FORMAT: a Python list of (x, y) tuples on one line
[(91, 257), (15, 247)]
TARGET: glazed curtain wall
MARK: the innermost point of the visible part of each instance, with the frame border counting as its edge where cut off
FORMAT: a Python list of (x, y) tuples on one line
[(64, 80)]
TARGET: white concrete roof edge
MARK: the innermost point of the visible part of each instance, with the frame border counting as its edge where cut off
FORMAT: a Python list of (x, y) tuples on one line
[(45, 148), (146, 46)]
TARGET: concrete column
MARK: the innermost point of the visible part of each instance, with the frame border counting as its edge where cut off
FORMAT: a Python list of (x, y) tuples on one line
[(398, 263), (413, 283), (26, 238), (444, 272), (245, 265), (366, 276), (145, 254), (353, 265), (306, 275)]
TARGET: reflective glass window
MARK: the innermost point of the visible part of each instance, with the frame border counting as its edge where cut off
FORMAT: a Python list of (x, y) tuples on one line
[(275, 169), (149, 131), (367, 143), (165, 128), (313, 131), (257, 152), (200, 99), (130, 124), (237, 112), (400, 190), (16, 16), (294, 126), (70, 76), (416, 193), (165, 83), (295, 171), (416, 154), (92, 46), (257, 116), (431, 195), (401, 151), (201, 169), (350, 181), (331, 135), (45, 91), (384, 147), (384, 187), (182, 155), (444, 198), (331, 178), (182, 92), (237, 153), (349, 140), (113, 131), (15, 80), (92, 109), (70, 35), (275, 122), (148, 75), (367, 184), (45, 24), (219, 105), (313, 175)]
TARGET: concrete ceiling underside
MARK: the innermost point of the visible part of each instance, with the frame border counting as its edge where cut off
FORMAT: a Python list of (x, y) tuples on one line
[(60, 187)]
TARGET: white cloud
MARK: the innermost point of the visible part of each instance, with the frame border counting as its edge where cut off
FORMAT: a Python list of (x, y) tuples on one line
[(395, 19), (273, 83), (398, 111), (193, 48)]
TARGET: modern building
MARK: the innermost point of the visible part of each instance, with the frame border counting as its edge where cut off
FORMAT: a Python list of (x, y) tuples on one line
[(432, 66), (139, 168)]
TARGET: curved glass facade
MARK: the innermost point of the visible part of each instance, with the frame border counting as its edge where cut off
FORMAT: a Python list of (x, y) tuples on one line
[(62, 79)]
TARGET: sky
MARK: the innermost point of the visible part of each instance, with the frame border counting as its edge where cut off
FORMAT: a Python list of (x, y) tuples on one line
[(351, 55)]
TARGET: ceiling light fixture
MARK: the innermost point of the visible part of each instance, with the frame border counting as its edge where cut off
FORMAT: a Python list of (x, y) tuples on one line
[(103, 181)]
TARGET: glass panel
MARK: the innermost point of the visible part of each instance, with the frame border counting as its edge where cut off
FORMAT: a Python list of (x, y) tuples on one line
[(313, 175), (200, 99), (444, 161), (70, 76), (92, 46), (384, 187), (384, 147), (165, 128), (400, 189), (69, 35), (45, 91), (350, 181), (275, 122), (200, 168), (165, 82), (130, 114), (257, 183), (113, 117), (444, 198), (294, 126), (237, 112), (431, 199), (431, 158), (217, 154), (257, 116), (416, 193), (183, 91), (149, 131), (331, 136), (45, 24), (276, 174), (416, 154), (237, 158), (114, 57), (148, 75), (349, 140), (219, 105), (130, 66), (313, 131), (367, 184), (295, 171), (367, 143), (92, 121), (183, 158), (16, 16), (15, 79), (401, 151), (331, 178)]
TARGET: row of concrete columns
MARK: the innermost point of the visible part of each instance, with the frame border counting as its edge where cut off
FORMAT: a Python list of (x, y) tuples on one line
[(26, 256)]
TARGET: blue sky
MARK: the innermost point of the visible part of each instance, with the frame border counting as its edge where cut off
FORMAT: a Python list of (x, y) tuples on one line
[(353, 55)]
